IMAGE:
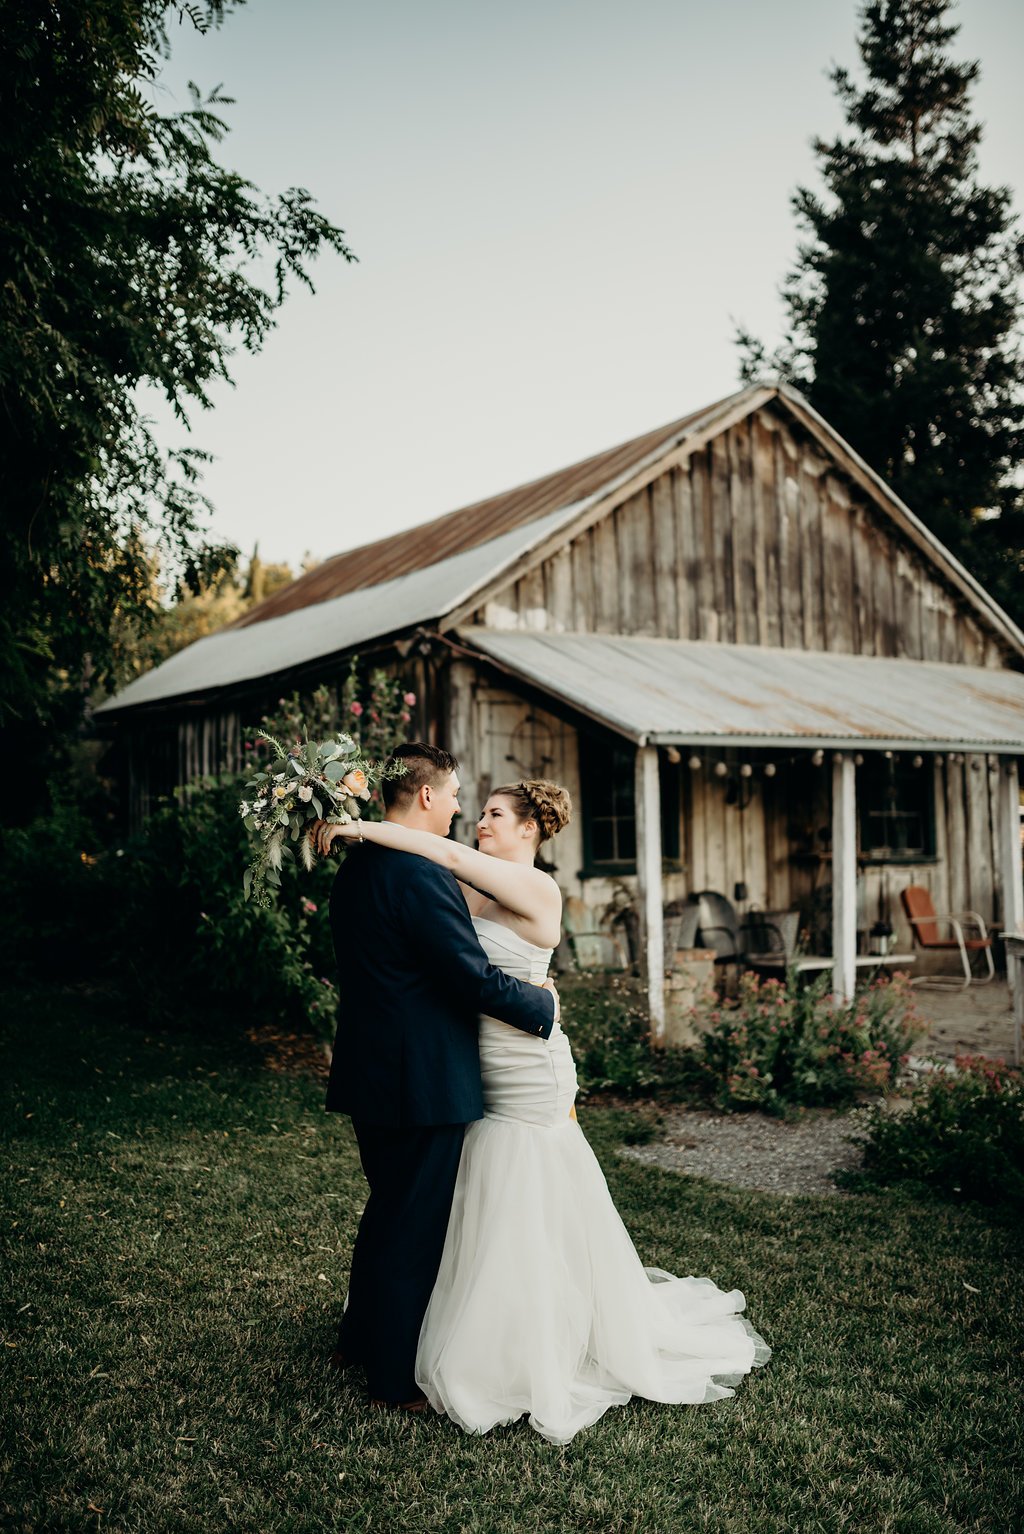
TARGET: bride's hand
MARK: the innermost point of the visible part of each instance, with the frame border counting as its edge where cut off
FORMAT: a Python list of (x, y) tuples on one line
[(322, 834)]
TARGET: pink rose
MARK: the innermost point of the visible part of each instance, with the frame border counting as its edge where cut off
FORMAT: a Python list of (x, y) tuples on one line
[(409, 700), (357, 709)]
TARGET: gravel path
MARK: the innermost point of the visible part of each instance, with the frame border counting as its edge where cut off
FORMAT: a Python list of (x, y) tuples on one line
[(750, 1150)]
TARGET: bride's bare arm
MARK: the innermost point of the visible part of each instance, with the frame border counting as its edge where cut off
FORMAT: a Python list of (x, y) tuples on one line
[(520, 888)]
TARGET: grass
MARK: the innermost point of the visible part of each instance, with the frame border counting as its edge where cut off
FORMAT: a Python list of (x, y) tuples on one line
[(178, 1225)]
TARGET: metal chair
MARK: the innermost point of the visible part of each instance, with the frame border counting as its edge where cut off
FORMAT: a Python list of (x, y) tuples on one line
[(681, 918), (718, 927), (925, 922), (769, 938), (592, 948)]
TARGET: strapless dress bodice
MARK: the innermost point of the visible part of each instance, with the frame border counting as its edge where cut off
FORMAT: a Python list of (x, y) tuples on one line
[(524, 1077), (510, 952)]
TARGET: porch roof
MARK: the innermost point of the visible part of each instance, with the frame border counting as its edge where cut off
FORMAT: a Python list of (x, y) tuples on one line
[(686, 692)]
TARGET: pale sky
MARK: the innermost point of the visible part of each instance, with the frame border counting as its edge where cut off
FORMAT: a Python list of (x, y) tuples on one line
[(561, 208)]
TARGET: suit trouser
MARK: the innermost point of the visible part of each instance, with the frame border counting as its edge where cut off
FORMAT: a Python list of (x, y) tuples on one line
[(411, 1173)]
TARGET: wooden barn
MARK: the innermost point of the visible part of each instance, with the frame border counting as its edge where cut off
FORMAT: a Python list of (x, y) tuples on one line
[(755, 669)]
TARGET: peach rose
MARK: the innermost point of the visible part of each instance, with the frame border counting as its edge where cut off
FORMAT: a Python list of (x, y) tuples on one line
[(354, 781)]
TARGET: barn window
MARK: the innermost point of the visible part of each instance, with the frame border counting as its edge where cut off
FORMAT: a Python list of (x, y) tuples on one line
[(897, 810), (609, 807)]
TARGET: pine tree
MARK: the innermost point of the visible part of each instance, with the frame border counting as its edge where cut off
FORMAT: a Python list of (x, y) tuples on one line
[(904, 302)]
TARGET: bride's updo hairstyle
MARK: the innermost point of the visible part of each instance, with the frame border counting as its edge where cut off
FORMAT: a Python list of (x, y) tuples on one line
[(539, 800)]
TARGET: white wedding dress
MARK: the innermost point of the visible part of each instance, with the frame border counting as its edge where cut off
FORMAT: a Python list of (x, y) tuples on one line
[(542, 1306)]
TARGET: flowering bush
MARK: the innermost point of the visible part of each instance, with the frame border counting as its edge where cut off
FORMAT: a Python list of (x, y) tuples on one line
[(784, 1043), (962, 1136), (606, 1020)]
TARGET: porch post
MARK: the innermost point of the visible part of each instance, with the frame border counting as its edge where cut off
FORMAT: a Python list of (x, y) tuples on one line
[(648, 887), (844, 877), (1009, 821)]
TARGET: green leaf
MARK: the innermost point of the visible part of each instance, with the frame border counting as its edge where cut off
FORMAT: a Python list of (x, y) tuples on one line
[(318, 807), (335, 771)]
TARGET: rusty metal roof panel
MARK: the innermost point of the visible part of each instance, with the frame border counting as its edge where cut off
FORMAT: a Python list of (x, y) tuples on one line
[(417, 547), (235, 656), (682, 692)]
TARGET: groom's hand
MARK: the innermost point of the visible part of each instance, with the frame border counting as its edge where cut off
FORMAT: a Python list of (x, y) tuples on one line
[(549, 985)]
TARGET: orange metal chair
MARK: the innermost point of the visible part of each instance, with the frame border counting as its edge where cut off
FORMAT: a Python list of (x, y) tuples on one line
[(925, 923)]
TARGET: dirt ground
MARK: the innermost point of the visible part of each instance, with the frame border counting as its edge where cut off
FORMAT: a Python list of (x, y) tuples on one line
[(978, 1021), (750, 1150)]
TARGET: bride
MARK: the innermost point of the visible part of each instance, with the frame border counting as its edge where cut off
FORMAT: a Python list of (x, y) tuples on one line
[(541, 1305)]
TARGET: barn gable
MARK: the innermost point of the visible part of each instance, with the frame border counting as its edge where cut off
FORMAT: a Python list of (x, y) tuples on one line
[(759, 527)]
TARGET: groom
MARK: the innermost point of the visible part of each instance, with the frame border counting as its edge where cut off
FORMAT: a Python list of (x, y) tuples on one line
[(406, 1067)]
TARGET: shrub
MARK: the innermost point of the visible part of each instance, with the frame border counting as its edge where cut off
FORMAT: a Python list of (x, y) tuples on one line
[(162, 915), (606, 1020), (961, 1137), (780, 1044)]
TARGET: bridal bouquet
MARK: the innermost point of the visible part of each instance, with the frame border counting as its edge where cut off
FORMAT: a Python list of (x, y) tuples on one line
[(312, 780)]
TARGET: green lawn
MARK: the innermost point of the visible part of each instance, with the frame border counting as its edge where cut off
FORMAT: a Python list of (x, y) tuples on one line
[(177, 1230)]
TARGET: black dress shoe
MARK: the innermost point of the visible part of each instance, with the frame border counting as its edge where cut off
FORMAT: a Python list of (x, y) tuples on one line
[(340, 1361), (419, 1404)]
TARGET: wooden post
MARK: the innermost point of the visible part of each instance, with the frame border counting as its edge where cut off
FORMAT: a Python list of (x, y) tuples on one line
[(1009, 822), (460, 743), (648, 887), (844, 877)]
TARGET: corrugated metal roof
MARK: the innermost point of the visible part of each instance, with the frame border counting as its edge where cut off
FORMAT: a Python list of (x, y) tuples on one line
[(681, 692), (467, 528), (237, 655)]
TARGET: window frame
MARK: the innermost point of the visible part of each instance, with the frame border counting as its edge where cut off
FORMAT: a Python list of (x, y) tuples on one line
[(925, 775), (591, 745)]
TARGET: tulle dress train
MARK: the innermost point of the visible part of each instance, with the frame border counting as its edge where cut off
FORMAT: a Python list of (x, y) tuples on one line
[(542, 1307)]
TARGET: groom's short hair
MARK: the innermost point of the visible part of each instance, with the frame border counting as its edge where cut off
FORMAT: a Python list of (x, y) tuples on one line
[(423, 764)]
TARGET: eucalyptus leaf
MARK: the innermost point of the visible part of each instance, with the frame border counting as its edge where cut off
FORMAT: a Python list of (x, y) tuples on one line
[(318, 807), (334, 771)]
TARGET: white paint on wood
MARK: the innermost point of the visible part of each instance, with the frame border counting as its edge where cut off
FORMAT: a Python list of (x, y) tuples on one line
[(648, 869), (1009, 827), (844, 877)]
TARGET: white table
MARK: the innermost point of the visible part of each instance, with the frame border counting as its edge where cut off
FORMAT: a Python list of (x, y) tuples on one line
[(809, 963)]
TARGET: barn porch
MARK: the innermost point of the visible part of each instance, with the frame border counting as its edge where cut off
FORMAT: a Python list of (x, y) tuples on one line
[(795, 775)]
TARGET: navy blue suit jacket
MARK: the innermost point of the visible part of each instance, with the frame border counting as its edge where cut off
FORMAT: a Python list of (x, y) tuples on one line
[(413, 981)]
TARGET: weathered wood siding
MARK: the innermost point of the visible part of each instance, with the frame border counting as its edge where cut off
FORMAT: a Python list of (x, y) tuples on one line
[(757, 539), (777, 844)]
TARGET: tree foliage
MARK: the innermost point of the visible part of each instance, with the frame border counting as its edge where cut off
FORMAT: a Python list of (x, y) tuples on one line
[(904, 301), (130, 258)]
